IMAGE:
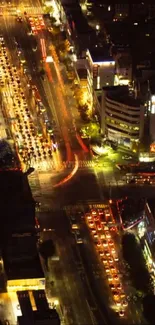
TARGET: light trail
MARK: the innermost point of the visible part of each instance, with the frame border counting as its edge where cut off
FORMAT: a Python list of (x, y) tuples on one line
[(56, 63), (83, 146), (48, 71), (43, 48), (64, 129), (74, 171)]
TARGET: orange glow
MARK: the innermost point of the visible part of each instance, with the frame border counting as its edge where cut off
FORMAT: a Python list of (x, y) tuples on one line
[(63, 106), (66, 179), (56, 62), (48, 71)]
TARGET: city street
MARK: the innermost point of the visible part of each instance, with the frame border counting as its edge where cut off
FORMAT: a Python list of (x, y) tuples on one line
[(47, 139)]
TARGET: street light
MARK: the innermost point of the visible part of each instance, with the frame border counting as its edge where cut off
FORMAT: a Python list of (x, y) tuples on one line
[(97, 27)]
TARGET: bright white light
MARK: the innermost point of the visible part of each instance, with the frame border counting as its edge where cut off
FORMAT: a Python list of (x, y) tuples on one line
[(135, 24), (97, 27), (105, 63), (49, 59), (56, 302), (153, 99), (98, 82), (109, 8)]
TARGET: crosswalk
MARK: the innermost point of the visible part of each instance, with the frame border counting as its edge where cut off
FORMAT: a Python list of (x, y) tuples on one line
[(80, 206), (13, 10), (81, 164)]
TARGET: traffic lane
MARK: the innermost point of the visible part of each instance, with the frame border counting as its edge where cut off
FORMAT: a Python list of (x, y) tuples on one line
[(76, 285), (57, 287), (96, 268), (66, 113), (66, 282), (99, 293), (82, 187), (72, 278)]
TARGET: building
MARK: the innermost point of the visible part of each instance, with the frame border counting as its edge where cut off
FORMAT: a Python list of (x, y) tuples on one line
[(102, 66), (121, 11), (122, 116), (22, 263), (131, 212), (146, 234), (82, 34), (17, 204), (35, 309)]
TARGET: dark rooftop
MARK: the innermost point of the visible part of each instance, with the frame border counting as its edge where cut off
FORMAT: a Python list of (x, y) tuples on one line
[(21, 259), (17, 204), (121, 95), (101, 54), (48, 318), (80, 22), (40, 300), (13, 185), (131, 209), (82, 73)]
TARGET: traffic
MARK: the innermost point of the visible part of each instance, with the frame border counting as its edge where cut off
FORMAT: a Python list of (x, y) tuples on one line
[(101, 226)]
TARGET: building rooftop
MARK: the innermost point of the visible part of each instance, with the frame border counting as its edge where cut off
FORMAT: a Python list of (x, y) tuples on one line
[(40, 300), (21, 259), (121, 94), (14, 184), (49, 318), (101, 54), (80, 23), (82, 73), (17, 204)]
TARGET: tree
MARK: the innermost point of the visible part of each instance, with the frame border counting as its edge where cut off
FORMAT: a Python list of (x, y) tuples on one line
[(149, 308), (132, 253)]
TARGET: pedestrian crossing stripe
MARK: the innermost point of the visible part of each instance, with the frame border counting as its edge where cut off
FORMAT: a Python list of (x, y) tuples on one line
[(81, 206)]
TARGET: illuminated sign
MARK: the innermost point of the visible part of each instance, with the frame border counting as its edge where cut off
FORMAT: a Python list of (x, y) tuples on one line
[(105, 63), (49, 59), (95, 70)]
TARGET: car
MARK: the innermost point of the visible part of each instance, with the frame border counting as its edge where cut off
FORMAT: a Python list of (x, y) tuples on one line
[(126, 157), (104, 242), (19, 19), (108, 235), (91, 224), (98, 244), (121, 313), (73, 222), (93, 230), (89, 217)]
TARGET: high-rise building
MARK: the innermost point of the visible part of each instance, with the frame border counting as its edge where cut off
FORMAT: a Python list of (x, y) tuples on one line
[(122, 117), (121, 11)]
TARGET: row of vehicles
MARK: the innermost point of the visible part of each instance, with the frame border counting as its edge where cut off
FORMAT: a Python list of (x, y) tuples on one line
[(102, 228), (30, 144)]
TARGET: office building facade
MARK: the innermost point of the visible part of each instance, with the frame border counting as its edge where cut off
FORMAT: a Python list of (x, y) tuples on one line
[(122, 118)]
